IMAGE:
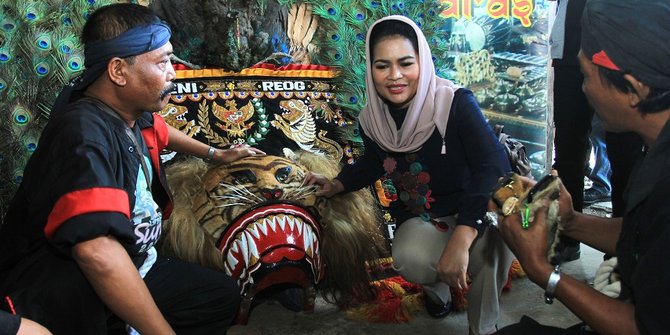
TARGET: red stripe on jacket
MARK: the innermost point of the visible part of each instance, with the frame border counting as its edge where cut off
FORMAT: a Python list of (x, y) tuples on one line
[(98, 199), (156, 139)]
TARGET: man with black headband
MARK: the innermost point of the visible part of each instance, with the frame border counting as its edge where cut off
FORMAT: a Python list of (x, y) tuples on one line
[(78, 242), (624, 58)]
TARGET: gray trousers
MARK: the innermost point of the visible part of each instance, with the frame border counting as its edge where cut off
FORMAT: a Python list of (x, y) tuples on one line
[(417, 247)]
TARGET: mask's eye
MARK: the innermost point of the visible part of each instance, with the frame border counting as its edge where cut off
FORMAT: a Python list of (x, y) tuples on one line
[(244, 177), (282, 175)]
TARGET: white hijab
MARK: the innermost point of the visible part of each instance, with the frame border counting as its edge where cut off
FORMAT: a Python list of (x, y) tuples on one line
[(428, 109)]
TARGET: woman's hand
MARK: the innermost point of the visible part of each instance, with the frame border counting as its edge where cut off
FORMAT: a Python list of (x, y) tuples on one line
[(234, 153), (452, 267), (327, 187)]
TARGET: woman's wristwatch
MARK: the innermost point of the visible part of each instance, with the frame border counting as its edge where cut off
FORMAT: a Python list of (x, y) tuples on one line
[(554, 278)]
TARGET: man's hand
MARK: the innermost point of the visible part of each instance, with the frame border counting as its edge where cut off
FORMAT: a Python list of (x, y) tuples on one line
[(565, 210), (182, 143), (109, 269), (234, 153), (529, 245)]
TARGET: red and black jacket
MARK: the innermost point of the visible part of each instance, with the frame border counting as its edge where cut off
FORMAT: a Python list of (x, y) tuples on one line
[(79, 184)]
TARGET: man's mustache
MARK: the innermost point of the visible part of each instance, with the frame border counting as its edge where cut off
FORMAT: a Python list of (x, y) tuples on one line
[(168, 90)]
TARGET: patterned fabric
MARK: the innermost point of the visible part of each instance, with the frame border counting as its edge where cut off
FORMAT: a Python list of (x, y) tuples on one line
[(410, 186), (267, 107)]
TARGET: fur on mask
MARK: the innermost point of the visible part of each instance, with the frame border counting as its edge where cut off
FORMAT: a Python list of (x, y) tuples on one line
[(351, 238)]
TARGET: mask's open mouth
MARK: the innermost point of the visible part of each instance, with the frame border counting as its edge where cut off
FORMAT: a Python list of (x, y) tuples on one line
[(268, 236)]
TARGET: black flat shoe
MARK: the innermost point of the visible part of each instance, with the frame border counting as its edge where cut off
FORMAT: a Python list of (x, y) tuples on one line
[(592, 196), (437, 310)]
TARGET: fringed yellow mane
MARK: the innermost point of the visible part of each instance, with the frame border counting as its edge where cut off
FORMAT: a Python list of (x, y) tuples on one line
[(183, 237), (350, 222)]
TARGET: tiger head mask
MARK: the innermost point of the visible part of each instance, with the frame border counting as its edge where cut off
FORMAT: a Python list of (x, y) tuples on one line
[(244, 216)]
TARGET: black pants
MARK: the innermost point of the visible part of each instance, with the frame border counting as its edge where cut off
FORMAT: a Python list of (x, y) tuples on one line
[(572, 122), (54, 292), (528, 326)]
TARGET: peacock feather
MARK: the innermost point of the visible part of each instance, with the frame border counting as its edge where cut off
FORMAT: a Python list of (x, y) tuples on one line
[(340, 37), (39, 52)]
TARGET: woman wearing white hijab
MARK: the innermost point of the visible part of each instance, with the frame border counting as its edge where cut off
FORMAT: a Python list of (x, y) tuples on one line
[(429, 143)]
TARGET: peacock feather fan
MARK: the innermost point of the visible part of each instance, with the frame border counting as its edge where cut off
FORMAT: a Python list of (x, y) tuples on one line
[(39, 52)]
